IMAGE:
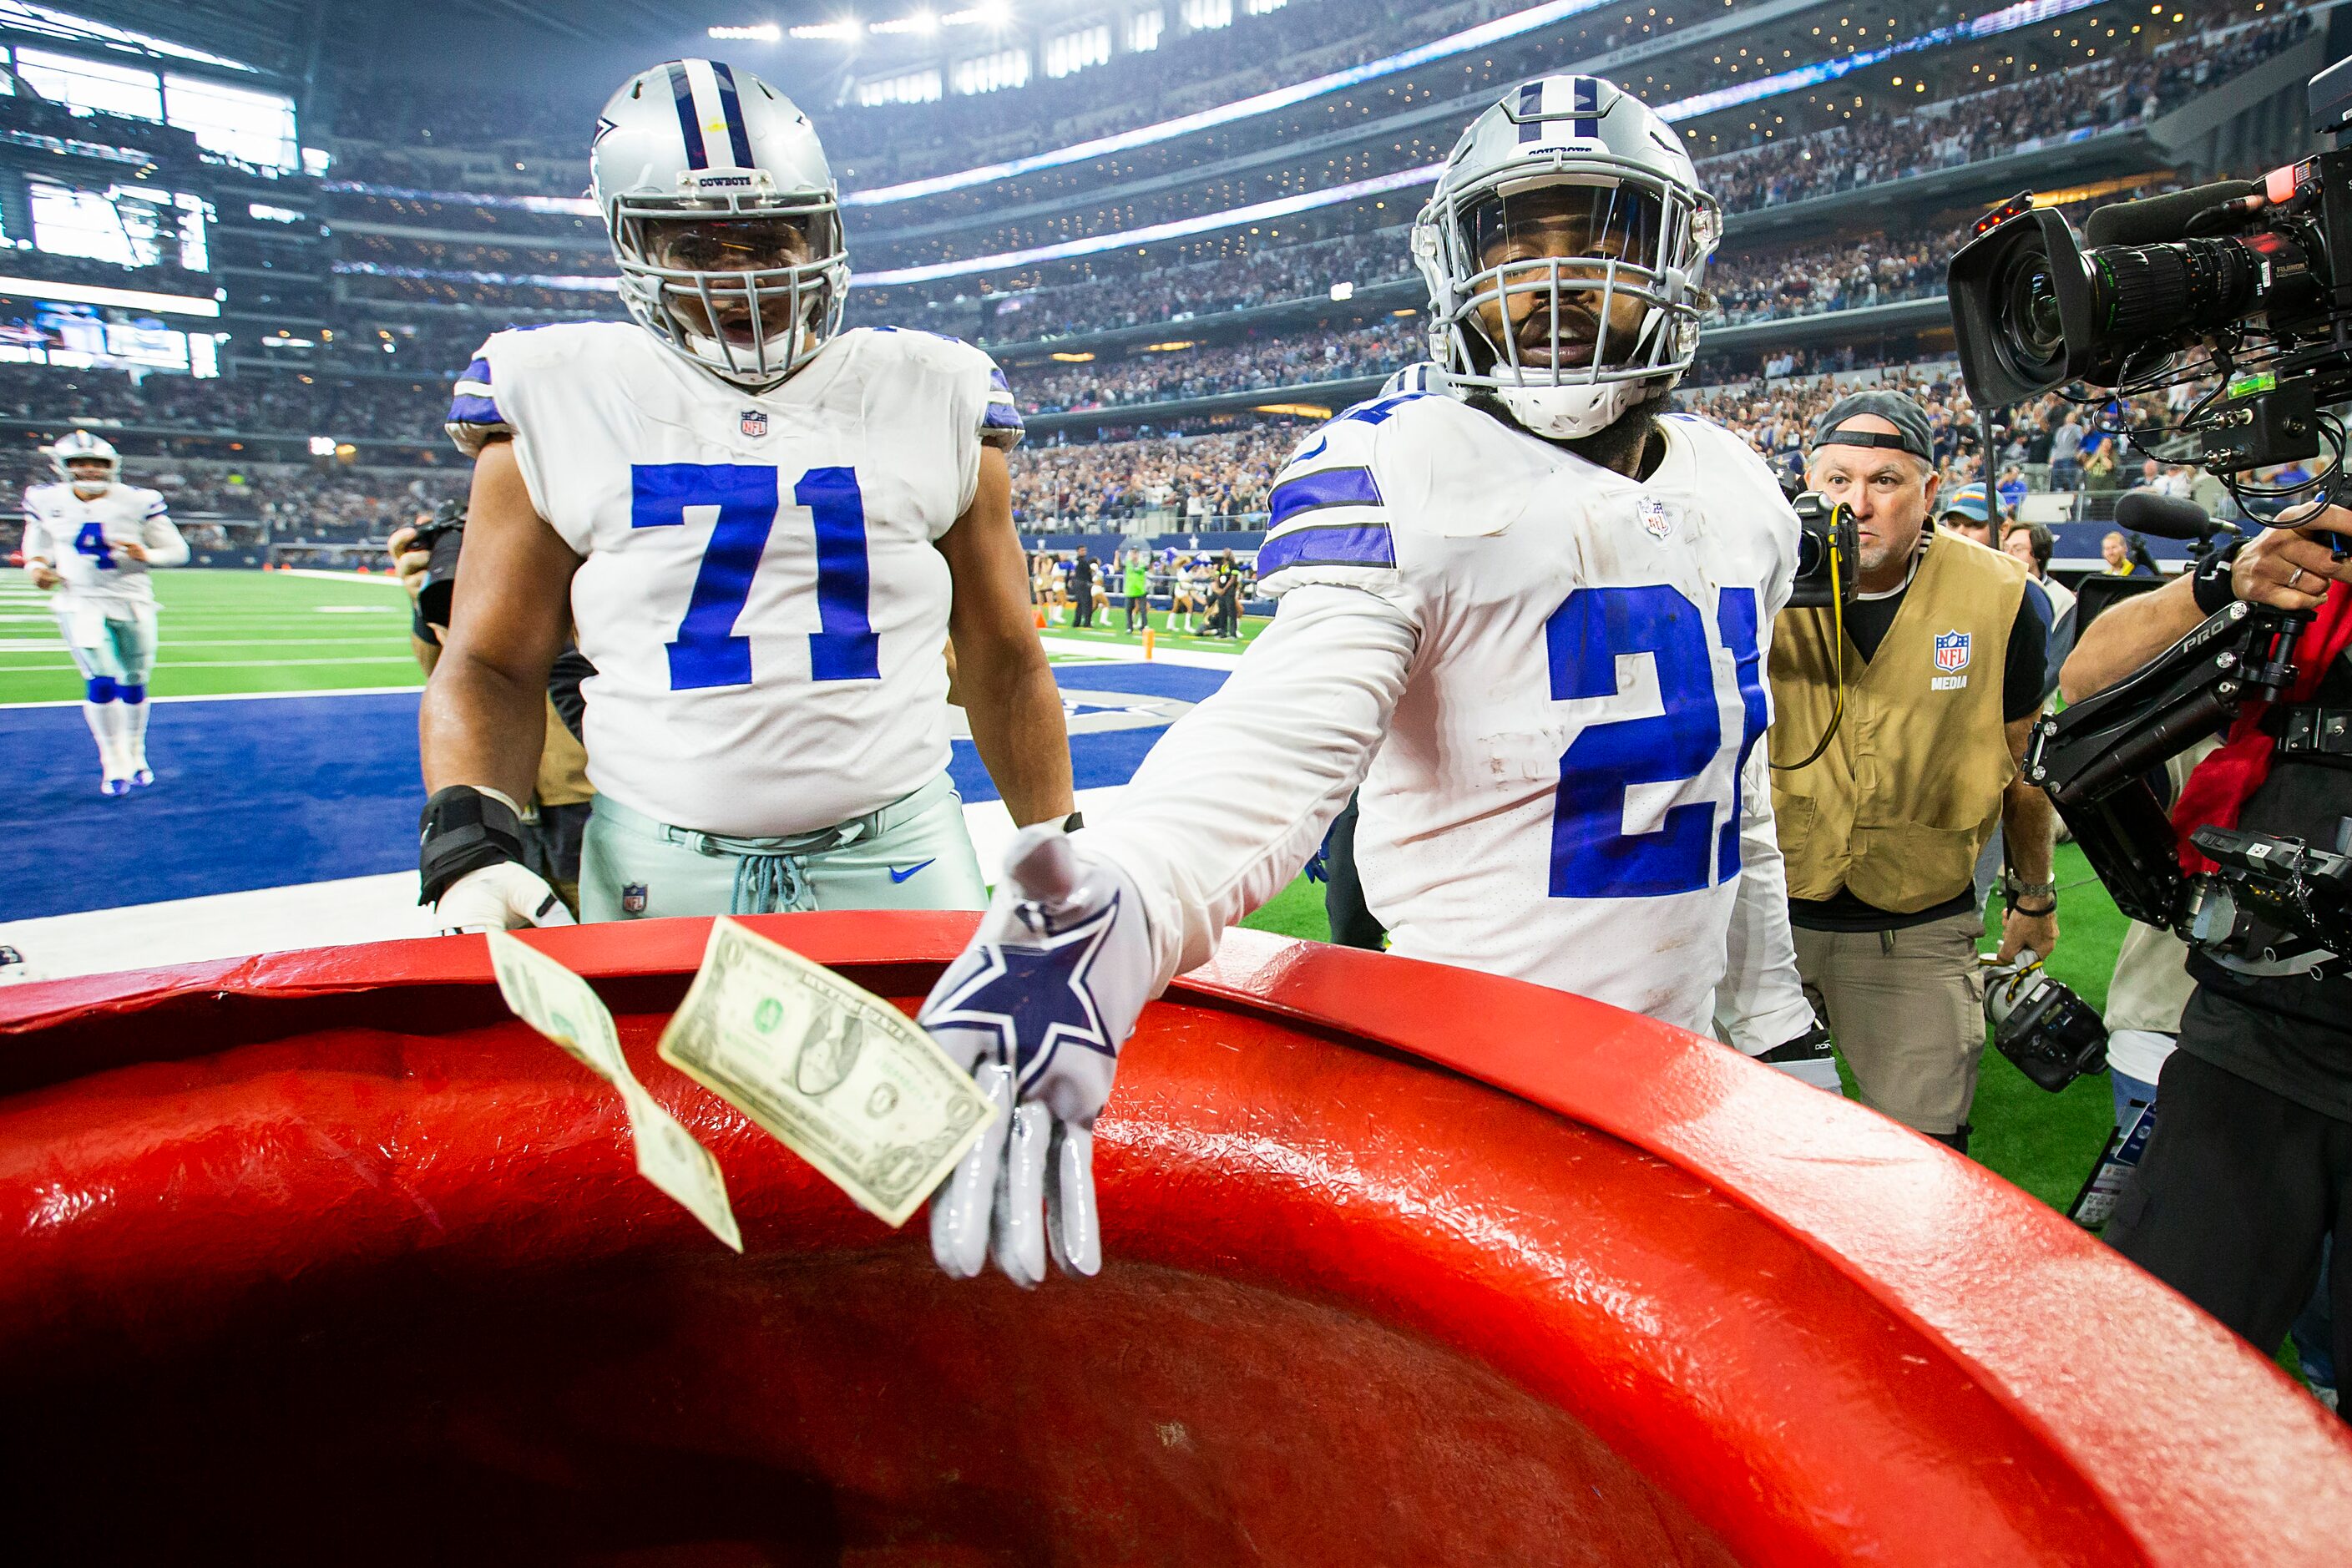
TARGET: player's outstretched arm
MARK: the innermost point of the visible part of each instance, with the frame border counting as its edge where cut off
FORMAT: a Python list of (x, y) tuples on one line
[(1001, 678), (1085, 929), (1236, 795), (484, 713)]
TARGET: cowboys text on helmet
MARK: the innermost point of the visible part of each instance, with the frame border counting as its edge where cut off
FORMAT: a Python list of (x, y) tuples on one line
[(724, 217), (1564, 250)]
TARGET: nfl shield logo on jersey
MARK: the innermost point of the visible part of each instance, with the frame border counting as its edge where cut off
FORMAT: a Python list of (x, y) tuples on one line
[(1951, 651), (633, 897), (755, 422), (1657, 521)]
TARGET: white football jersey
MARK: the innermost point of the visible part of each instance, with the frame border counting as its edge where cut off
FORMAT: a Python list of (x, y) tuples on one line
[(760, 588), (1557, 673), (82, 539)]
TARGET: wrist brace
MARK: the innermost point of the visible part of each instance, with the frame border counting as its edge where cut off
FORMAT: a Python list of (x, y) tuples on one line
[(464, 829)]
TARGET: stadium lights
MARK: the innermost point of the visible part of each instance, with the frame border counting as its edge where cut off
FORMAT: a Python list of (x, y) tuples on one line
[(1484, 36), (2024, 14), (848, 30), (1342, 292), (323, 445), (759, 33), (1231, 218), (95, 294)]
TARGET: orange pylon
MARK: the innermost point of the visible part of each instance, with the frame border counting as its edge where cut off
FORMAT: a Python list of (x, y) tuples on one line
[(1146, 642)]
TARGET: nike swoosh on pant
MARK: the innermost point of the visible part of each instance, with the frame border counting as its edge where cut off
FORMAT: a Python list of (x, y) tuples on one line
[(898, 876)]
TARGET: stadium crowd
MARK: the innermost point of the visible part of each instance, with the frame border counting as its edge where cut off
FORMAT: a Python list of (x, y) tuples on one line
[(1988, 124), (1322, 356), (1200, 478)]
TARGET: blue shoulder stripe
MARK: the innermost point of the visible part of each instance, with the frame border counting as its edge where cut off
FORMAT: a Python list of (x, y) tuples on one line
[(477, 370), (1324, 487), (1000, 416), (1347, 544), (468, 409)]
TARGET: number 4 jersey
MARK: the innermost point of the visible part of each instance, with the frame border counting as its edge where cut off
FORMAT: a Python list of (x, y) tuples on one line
[(82, 539), (760, 588), (1549, 678)]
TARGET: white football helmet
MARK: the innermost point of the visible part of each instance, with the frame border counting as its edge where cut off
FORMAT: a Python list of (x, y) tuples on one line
[(1588, 161), (81, 447), (693, 166)]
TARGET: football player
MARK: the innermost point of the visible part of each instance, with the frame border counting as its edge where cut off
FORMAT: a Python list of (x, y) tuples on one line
[(764, 530), (1528, 609), (90, 540)]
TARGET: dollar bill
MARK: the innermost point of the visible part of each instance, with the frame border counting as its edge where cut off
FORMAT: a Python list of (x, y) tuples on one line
[(567, 1010), (836, 1074)]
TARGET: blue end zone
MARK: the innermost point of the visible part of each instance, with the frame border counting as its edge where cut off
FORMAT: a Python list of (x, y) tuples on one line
[(270, 792)]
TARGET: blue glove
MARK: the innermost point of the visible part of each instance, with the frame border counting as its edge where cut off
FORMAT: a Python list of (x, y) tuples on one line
[(1036, 1010)]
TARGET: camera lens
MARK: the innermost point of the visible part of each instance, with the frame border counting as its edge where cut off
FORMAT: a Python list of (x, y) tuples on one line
[(2037, 314), (2029, 320)]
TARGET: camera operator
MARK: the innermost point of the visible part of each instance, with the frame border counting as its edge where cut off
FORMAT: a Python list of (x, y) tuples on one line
[(556, 817), (2249, 1169), (1883, 832)]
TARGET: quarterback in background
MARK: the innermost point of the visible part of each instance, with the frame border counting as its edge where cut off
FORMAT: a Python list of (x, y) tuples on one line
[(1521, 604), (761, 529), (90, 540)]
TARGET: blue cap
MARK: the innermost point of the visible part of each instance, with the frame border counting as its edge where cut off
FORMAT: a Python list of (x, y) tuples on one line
[(1968, 501)]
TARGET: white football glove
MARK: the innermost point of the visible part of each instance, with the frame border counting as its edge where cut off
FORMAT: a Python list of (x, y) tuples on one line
[(501, 896), (1036, 1010)]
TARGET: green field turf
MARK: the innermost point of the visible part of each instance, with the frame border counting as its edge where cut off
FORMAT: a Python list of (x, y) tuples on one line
[(1106, 622), (228, 632), (231, 632), (2044, 1142)]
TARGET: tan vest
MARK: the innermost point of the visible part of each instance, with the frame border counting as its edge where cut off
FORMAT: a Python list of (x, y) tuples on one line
[(1900, 805), (563, 766)]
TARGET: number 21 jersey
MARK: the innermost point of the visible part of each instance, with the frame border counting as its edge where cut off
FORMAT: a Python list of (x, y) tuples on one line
[(761, 589), (1570, 786)]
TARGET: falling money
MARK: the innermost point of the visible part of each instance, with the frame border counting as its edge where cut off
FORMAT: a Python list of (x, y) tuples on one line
[(837, 1074), (562, 1006)]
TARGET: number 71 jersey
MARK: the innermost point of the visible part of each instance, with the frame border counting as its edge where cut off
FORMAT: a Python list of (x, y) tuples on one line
[(761, 589), (1562, 790)]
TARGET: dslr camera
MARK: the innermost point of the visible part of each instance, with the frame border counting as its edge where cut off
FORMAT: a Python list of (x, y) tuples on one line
[(441, 537), (2248, 282)]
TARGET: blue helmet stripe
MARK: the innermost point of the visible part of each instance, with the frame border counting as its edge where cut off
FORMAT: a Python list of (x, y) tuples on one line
[(739, 135), (1531, 112), (689, 125), (1587, 102)]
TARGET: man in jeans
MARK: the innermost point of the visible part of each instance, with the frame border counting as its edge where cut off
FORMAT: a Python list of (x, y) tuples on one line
[(2067, 453), (1941, 671)]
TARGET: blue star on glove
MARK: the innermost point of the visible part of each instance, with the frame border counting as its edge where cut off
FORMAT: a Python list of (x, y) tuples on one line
[(1034, 999)]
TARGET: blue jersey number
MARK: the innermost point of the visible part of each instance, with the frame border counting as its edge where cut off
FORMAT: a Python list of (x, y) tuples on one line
[(91, 541), (1593, 855), (706, 651)]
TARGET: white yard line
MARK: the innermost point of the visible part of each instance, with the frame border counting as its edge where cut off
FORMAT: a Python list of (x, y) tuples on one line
[(314, 914), (1121, 653), (239, 696)]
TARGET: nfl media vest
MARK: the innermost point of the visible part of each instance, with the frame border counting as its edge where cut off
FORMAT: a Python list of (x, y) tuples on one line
[(1900, 805)]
